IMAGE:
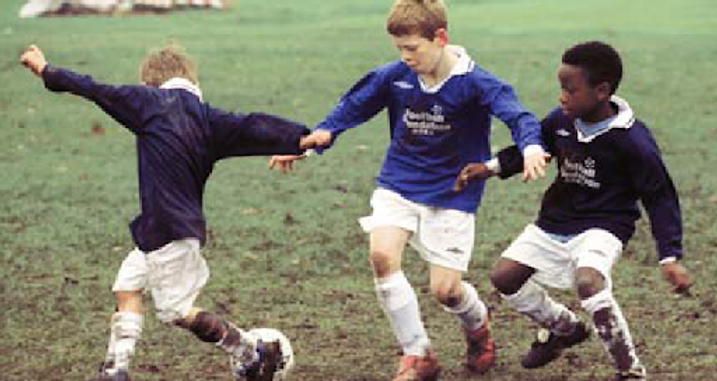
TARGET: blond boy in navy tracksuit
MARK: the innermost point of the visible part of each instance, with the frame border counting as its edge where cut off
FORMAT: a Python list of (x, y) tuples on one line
[(179, 139)]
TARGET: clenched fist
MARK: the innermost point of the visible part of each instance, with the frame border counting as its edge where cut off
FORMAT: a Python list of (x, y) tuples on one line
[(34, 60)]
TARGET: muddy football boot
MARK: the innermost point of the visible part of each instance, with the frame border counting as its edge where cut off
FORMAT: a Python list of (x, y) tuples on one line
[(263, 369), (548, 346), (418, 368), (480, 354)]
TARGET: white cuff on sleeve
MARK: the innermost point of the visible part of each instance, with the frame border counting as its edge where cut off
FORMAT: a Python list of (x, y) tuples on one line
[(493, 165), (533, 149), (668, 260)]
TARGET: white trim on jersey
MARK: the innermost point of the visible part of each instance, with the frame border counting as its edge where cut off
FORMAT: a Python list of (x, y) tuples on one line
[(184, 84), (624, 119)]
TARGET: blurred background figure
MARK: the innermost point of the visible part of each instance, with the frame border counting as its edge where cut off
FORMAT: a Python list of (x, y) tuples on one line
[(36, 8)]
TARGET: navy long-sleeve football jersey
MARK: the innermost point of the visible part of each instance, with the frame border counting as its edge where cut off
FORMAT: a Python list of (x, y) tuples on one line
[(602, 177), (178, 138), (434, 131)]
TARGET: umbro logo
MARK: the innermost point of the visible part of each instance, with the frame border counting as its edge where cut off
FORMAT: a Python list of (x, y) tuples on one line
[(455, 250), (562, 132), (403, 84)]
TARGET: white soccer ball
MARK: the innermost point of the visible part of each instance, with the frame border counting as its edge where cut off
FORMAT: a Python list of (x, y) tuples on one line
[(267, 335)]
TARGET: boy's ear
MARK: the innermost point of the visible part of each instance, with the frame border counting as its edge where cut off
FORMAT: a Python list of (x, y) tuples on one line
[(441, 35), (604, 90)]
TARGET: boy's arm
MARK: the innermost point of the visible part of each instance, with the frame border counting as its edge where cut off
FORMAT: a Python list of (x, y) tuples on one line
[(363, 101), (524, 126), (661, 202), (657, 193), (506, 163), (254, 134), (123, 103)]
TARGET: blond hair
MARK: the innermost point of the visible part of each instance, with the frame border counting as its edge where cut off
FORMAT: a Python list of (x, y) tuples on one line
[(423, 17), (166, 63)]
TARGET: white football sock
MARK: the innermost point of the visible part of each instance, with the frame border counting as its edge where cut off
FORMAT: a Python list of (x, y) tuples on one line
[(471, 311), (611, 327), (126, 330), (110, 355), (533, 301), (399, 302)]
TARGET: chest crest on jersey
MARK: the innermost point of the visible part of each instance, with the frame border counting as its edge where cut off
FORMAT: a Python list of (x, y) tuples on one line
[(427, 122), (580, 171)]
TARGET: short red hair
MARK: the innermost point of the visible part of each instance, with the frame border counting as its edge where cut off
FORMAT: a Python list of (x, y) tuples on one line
[(422, 17)]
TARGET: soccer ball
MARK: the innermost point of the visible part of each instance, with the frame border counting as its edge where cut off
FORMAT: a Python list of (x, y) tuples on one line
[(267, 335)]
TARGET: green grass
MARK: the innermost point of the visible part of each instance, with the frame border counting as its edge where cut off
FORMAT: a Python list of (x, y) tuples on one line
[(286, 251)]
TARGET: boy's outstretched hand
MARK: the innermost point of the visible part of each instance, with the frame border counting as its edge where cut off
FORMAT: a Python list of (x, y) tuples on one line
[(472, 171), (317, 139), (534, 166), (34, 60), (678, 277), (285, 163)]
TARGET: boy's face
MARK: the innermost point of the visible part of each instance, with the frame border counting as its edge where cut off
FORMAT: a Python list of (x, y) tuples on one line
[(419, 53), (578, 98)]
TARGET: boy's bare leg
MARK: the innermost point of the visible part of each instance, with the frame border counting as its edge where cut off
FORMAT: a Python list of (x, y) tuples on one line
[(127, 324), (512, 279), (395, 294), (610, 324), (400, 304), (250, 358), (125, 329), (130, 301), (461, 299), (564, 329), (214, 329)]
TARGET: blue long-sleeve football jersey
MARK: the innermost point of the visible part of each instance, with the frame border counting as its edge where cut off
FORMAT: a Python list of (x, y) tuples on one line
[(179, 138), (602, 177), (435, 131)]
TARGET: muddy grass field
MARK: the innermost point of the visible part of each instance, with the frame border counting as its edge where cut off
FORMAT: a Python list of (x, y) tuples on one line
[(286, 251)]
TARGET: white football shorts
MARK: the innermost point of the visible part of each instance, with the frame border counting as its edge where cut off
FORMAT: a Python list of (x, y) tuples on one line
[(174, 274), (555, 262), (441, 236)]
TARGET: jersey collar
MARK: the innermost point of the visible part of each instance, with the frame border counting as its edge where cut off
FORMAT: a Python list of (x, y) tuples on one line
[(623, 119), (184, 84), (463, 66)]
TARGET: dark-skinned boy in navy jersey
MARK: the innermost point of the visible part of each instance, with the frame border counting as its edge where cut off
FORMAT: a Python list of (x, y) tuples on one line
[(607, 161)]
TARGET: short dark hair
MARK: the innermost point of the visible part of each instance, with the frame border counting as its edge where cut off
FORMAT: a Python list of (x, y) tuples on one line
[(600, 61)]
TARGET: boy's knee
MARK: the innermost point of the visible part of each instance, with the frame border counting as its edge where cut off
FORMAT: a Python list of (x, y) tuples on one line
[(501, 283), (383, 263), (509, 276), (447, 293), (588, 282)]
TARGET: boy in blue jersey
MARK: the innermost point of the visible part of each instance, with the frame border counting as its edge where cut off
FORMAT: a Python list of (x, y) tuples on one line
[(179, 139), (440, 104), (607, 161)]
